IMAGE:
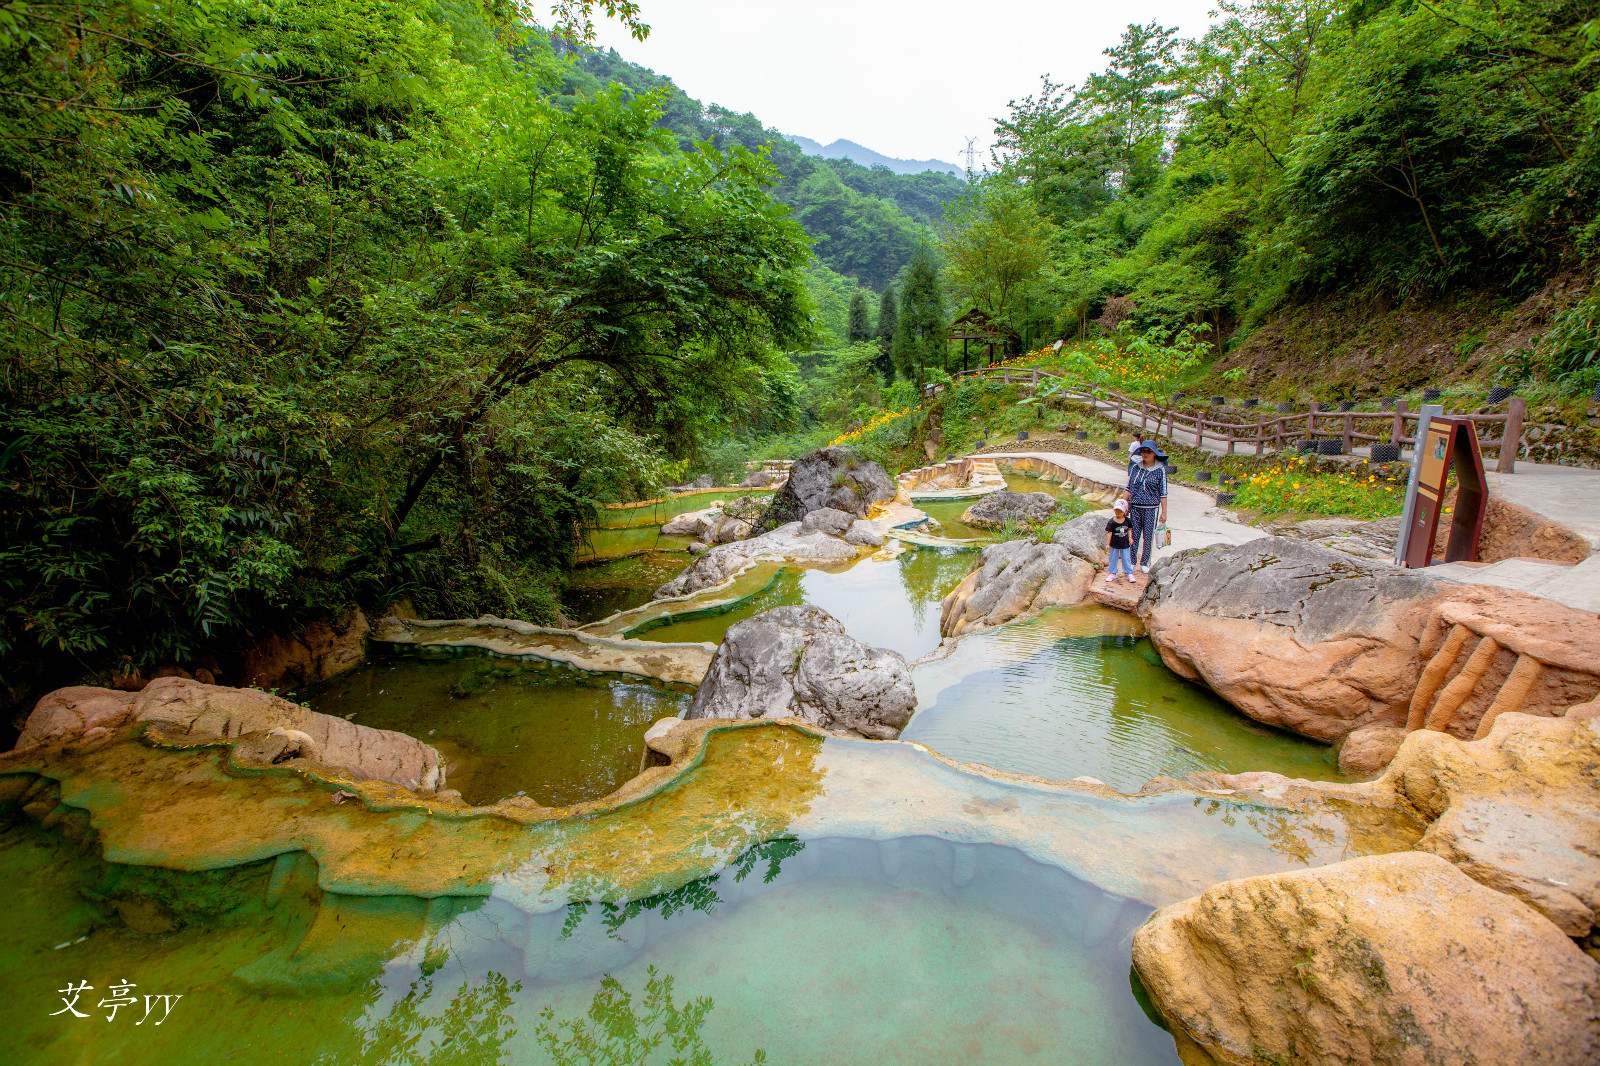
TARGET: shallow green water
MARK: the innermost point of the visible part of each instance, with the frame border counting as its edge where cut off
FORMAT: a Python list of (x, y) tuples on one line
[(601, 590), (885, 603), (819, 951), (1020, 699), (948, 512), (509, 727)]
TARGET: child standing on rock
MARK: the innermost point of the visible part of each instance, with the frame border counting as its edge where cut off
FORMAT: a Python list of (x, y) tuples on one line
[(1119, 541)]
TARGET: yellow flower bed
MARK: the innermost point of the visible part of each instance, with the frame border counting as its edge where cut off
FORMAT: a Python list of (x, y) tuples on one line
[(878, 422), (1292, 489)]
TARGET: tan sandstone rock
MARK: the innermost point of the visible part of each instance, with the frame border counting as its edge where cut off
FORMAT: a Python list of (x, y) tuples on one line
[(1293, 634), (1389, 959), (1308, 638), (280, 729), (1367, 750), (323, 649), (1012, 579)]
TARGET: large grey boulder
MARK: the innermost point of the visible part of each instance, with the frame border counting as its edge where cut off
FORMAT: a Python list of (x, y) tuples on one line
[(797, 662), (1293, 634), (1021, 508), (863, 534), (1085, 537), (828, 477), (829, 520), (788, 543), (1012, 579)]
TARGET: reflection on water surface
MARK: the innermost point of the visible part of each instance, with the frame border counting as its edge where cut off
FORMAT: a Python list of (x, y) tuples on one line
[(906, 951), (508, 727), (1024, 699)]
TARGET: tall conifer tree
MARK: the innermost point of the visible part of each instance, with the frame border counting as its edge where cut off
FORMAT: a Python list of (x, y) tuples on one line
[(921, 338), (888, 324), (860, 328)]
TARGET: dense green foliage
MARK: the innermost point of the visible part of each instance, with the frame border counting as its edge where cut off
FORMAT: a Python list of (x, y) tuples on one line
[(1301, 146), (866, 220), (316, 303)]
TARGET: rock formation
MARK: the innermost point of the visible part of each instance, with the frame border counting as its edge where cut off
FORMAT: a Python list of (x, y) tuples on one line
[(797, 662), (275, 729), (1387, 959), (1085, 537), (1027, 509), (1307, 638), (321, 650), (1011, 579), (829, 520), (789, 543), (828, 477)]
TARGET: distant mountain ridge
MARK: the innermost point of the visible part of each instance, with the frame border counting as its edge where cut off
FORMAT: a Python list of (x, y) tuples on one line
[(843, 149)]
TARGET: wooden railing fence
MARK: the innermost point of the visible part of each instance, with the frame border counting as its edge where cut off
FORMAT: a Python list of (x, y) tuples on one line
[(1398, 427)]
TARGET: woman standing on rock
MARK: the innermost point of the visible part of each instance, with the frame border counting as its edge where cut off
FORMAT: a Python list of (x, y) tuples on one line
[(1147, 496)]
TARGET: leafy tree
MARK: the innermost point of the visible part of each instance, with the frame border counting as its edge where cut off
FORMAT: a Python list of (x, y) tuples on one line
[(860, 328), (997, 248), (322, 304)]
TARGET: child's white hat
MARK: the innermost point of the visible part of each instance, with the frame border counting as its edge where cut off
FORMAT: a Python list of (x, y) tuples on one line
[(1120, 505)]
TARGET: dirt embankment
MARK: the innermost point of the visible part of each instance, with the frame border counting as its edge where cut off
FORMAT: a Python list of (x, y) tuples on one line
[(1351, 346)]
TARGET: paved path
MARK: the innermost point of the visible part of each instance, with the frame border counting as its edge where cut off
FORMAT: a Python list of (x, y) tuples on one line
[(1191, 514), (1567, 494)]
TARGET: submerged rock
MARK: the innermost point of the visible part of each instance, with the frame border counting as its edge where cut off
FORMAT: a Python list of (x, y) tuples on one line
[(788, 543), (279, 730), (797, 662), (1011, 579), (1027, 509), (1388, 959), (828, 477)]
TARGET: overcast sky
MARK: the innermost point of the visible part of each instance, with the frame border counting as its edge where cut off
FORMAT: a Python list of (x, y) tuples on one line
[(908, 78)]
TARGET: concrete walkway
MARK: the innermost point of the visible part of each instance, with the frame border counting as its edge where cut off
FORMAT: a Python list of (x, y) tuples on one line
[(1569, 495), (1191, 515)]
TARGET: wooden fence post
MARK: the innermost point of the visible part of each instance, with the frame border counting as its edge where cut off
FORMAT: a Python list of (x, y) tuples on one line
[(1230, 440), (1311, 418), (1199, 430), (1261, 433), (1511, 438), (1143, 411), (1398, 428), (1349, 428)]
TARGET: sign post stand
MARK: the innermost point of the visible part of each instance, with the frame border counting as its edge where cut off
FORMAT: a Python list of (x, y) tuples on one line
[(1443, 443), (1428, 413)]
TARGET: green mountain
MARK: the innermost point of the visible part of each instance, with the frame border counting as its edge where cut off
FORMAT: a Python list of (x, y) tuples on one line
[(866, 221), (856, 153)]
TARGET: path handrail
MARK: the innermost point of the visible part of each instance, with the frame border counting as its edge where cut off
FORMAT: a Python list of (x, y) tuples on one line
[(1317, 422)]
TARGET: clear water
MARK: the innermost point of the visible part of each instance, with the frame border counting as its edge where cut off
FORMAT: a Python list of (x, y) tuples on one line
[(1027, 699), (508, 727), (601, 590), (882, 602), (948, 512), (911, 951)]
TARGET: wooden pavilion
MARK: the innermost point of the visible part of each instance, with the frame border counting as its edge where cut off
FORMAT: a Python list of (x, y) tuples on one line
[(975, 325)]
